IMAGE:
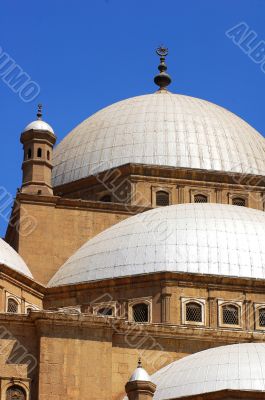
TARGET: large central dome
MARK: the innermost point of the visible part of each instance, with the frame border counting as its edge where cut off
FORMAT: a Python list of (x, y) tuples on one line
[(160, 129)]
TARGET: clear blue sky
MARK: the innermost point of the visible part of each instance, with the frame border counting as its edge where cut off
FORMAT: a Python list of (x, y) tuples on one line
[(86, 54)]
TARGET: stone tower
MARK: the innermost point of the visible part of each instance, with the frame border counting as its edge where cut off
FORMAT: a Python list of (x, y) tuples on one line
[(38, 139)]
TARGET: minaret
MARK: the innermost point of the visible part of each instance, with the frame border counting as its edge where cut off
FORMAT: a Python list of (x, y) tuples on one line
[(162, 79), (38, 140), (140, 386)]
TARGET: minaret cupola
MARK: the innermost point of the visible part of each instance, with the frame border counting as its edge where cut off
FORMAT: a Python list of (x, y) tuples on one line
[(38, 139), (140, 386)]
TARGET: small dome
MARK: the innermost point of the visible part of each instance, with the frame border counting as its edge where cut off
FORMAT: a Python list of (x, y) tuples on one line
[(38, 125), (212, 239), (233, 367), (162, 129), (10, 258), (140, 374)]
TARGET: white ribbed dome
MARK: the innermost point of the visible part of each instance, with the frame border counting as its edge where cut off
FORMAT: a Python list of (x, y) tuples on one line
[(10, 258), (38, 125), (140, 374), (213, 239), (160, 129), (234, 367)]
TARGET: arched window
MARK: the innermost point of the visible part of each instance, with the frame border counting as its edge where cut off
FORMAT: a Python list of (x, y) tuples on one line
[(140, 312), (200, 198), (29, 154), (193, 312), (48, 155), (12, 306), (230, 314), (262, 317), (238, 201), (29, 309), (39, 152), (162, 198), (105, 311), (106, 198), (15, 392)]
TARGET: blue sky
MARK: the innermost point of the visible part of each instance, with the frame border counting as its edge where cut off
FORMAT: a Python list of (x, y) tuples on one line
[(87, 54)]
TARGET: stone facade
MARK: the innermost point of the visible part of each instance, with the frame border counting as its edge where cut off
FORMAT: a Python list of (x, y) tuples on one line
[(75, 213), (65, 224), (71, 342), (82, 341), (92, 357)]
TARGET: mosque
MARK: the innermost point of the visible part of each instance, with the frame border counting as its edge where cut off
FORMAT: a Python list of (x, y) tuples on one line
[(133, 265)]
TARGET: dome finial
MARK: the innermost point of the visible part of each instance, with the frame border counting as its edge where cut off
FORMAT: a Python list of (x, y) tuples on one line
[(39, 113), (162, 79), (139, 363)]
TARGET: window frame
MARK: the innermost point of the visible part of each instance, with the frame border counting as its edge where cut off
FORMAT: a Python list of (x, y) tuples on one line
[(29, 154), (7, 383), (164, 193), (238, 305), (187, 300), (200, 202), (233, 196), (140, 313), (30, 306), (39, 152), (156, 189), (105, 315), (239, 199), (257, 308), (142, 300), (202, 192), (9, 296), (19, 387), (98, 306), (15, 303)]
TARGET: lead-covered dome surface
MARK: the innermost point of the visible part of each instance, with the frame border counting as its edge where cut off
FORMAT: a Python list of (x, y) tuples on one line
[(233, 367), (214, 239), (10, 258), (38, 125), (160, 129)]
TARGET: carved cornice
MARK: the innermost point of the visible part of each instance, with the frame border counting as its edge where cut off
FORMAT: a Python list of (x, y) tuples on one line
[(61, 202), (22, 281), (168, 279), (146, 172)]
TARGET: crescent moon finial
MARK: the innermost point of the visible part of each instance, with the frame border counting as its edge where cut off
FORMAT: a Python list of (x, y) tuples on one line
[(162, 51), (162, 79)]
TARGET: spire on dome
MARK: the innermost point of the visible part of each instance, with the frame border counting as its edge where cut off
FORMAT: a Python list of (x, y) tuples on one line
[(162, 79), (39, 113), (139, 363)]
